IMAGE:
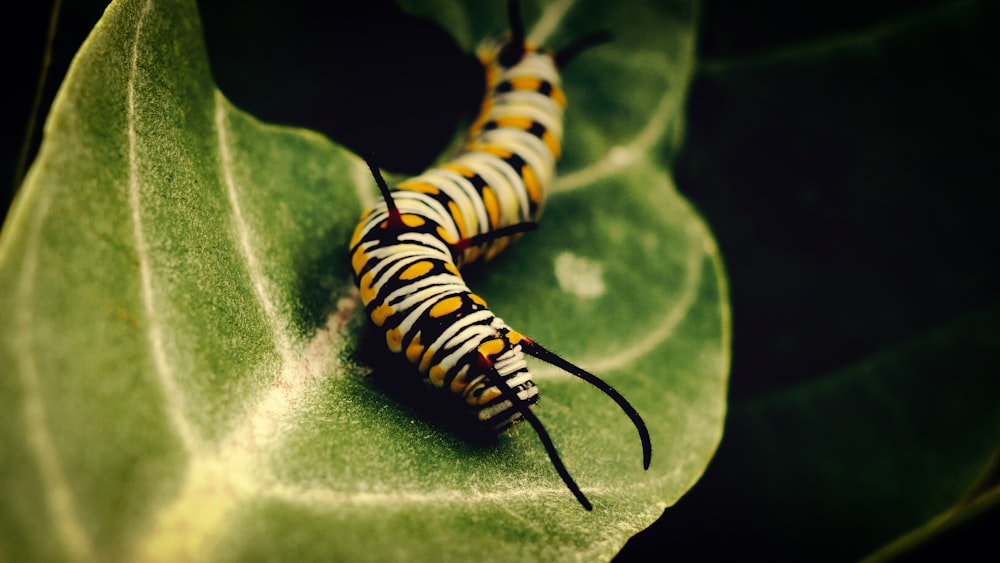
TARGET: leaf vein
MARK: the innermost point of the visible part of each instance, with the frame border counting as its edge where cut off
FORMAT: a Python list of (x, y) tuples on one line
[(215, 483), (58, 494), (621, 156), (262, 288), (154, 329), (260, 427)]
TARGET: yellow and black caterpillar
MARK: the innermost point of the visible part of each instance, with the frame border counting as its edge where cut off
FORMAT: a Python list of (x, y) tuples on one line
[(407, 250)]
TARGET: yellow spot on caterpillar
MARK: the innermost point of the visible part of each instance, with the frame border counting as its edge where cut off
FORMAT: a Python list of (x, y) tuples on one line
[(381, 313), (457, 216), (463, 170), (358, 260), (443, 234), (531, 183), (409, 220), (425, 362), (558, 96), (486, 396), (522, 123), (367, 291), (552, 143), (415, 349), (413, 221), (470, 394), (459, 383), (394, 339), (358, 231), (477, 299), (451, 268), (416, 270), (492, 206), (491, 347), (422, 187), (486, 57), (514, 337), (446, 306), (525, 83), (494, 150), (477, 126), (436, 375)]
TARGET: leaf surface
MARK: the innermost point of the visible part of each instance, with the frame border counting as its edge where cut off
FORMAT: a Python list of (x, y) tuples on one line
[(186, 351)]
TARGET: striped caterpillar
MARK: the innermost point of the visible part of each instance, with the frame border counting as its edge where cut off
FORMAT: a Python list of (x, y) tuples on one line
[(407, 250)]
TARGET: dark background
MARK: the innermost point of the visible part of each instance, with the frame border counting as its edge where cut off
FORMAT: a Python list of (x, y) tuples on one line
[(845, 154)]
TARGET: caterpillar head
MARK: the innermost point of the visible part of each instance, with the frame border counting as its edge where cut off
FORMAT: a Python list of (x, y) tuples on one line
[(498, 386), (502, 392), (505, 51)]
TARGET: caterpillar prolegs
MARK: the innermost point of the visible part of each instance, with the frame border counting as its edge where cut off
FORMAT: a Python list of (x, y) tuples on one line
[(407, 250)]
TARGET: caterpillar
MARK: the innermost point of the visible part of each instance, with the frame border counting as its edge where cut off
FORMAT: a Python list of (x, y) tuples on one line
[(407, 250)]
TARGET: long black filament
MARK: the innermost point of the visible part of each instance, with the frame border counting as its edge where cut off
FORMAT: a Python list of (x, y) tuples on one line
[(513, 51), (516, 25), (534, 349), (543, 435), (550, 449), (508, 231), (395, 218)]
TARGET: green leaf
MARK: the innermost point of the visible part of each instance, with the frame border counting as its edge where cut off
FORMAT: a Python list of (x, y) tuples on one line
[(181, 338), (904, 453)]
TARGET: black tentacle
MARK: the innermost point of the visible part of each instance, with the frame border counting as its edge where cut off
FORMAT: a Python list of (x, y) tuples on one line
[(534, 349), (543, 435)]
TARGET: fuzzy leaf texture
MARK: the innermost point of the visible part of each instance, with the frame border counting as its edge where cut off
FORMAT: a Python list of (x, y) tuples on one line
[(180, 333)]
